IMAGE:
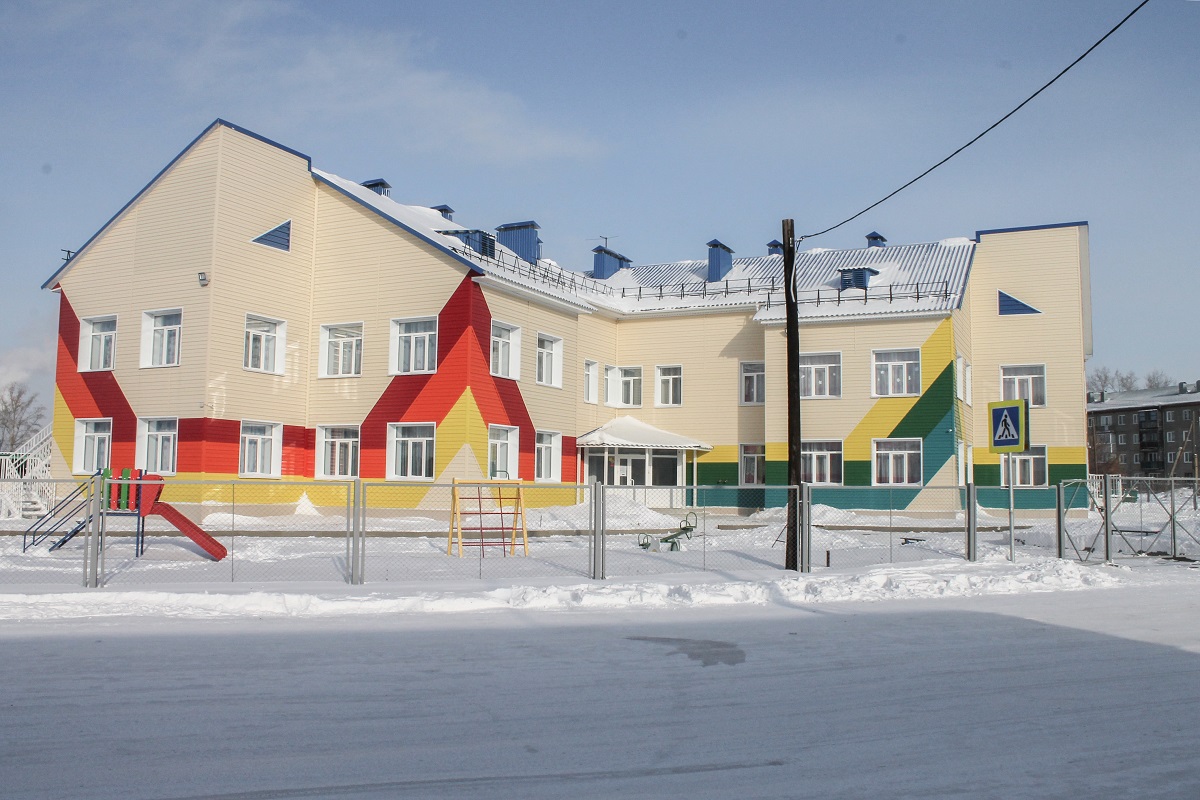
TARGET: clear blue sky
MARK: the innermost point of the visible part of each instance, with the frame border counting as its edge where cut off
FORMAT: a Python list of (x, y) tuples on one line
[(662, 124)]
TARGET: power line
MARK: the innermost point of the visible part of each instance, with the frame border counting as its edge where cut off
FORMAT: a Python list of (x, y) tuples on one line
[(985, 132)]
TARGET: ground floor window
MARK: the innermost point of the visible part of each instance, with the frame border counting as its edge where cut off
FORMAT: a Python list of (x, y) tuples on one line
[(502, 452), (411, 451), (897, 462), (753, 468), (821, 462), (1029, 468), (339, 452), (160, 439), (259, 452), (93, 444), (548, 456)]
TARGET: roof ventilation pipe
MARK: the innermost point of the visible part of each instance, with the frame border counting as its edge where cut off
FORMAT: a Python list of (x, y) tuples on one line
[(875, 239), (445, 210), (378, 186), (774, 248), (522, 239), (606, 263), (1183, 387), (720, 261)]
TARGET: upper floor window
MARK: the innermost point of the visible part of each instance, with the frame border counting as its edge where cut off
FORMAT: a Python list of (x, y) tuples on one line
[(1120, 419), (159, 445), (1187, 414), (897, 461), (1024, 382), (1170, 415), (897, 372), (339, 451), (753, 464), (93, 443), (623, 386), (161, 335), (263, 340), (98, 351), (821, 375), (506, 351), (414, 346), (341, 350), (591, 381), (549, 360), (754, 383), (670, 386), (411, 451)]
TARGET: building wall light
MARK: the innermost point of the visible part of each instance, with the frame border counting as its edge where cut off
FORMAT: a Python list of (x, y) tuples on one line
[(203, 278)]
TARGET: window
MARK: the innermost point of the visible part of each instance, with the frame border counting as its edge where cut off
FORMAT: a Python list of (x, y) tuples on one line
[(414, 346), (1187, 457), (591, 380), (1027, 382), (623, 386), (1170, 436), (1170, 416), (1105, 420), (338, 451), (1137, 438), (161, 334), (897, 461), (1091, 422), (1120, 419), (549, 360), (670, 386), (753, 464), (260, 450), (1122, 459), (958, 377), (98, 343), (1029, 468), (897, 373), (263, 341), (502, 452), (1137, 458), (1121, 438), (341, 350), (967, 370), (410, 456), (754, 383), (821, 375), (1187, 414), (1170, 456), (159, 438), (548, 457), (93, 444), (506, 351), (821, 462)]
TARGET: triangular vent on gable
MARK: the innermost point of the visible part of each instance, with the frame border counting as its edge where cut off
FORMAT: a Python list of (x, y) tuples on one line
[(279, 237), (1010, 305)]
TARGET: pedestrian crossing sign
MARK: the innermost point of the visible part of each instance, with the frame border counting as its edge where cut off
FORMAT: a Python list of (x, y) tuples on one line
[(1009, 426)]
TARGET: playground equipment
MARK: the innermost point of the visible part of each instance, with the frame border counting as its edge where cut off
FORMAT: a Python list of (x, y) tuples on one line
[(493, 511), (653, 543), (132, 495)]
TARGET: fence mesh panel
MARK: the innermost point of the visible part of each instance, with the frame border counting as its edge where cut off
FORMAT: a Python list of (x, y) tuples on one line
[(861, 526), (1154, 517), (25, 555)]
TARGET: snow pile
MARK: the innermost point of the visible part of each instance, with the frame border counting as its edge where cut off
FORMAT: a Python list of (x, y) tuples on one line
[(620, 513), (926, 580)]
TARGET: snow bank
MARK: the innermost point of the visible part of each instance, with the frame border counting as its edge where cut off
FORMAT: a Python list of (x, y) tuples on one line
[(928, 579)]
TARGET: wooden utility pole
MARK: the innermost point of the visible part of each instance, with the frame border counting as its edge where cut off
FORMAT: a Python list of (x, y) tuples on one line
[(795, 475)]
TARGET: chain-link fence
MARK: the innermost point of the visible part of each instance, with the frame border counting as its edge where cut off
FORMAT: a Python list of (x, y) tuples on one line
[(39, 526), (1153, 517)]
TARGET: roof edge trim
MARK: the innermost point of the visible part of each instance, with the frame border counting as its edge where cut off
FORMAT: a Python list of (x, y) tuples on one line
[(1079, 224)]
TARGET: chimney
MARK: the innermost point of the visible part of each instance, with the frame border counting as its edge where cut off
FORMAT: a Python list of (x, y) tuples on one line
[(446, 211), (606, 263), (378, 186), (720, 261), (1183, 387), (1198, 386), (521, 238), (875, 239), (774, 248)]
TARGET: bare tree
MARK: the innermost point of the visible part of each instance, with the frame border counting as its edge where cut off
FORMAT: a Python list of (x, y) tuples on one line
[(20, 415), (1125, 381), (1100, 380), (1157, 379)]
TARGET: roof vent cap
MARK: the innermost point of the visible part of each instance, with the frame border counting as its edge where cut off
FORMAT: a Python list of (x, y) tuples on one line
[(378, 186), (875, 239)]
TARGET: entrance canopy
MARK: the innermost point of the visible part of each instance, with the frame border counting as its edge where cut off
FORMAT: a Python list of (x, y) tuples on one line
[(632, 432)]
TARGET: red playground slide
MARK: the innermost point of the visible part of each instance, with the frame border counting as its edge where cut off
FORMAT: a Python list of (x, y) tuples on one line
[(150, 505)]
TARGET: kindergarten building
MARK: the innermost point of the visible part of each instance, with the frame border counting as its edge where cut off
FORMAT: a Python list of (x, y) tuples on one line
[(247, 315)]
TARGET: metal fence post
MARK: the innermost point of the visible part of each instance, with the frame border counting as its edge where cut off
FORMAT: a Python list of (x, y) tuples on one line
[(93, 543), (354, 545), (1171, 492), (972, 516), (1109, 484), (1060, 503), (87, 537), (597, 530), (806, 528)]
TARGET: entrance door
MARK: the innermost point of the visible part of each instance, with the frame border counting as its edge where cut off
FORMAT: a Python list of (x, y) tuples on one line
[(631, 471)]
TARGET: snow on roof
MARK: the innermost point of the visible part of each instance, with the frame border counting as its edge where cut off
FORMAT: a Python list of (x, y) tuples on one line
[(632, 432), (1148, 398)]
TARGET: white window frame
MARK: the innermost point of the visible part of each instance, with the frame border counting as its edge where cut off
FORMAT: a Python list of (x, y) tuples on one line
[(959, 377), (156, 352), (906, 453), (1170, 456), (1170, 437), (967, 386), (908, 370), (150, 442), (820, 454), (1120, 438), (399, 466), (272, 345), (623, 387), (752, 464), (328, 342), (83, 453), (1025, 466), (504, 441), (327, 449), (752, 383), (1120, 419), (549, 367), (668, 385), (591, 382), (547, 461), (1012, 385), (411, 344), (89, 337), (273, 437), (821, 375), (504, 357), (1170, 415)]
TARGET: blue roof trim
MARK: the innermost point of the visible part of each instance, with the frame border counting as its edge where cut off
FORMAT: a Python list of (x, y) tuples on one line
[(511, 225), (1009, 305), (466, 261), (215, 123), (1080, 224)]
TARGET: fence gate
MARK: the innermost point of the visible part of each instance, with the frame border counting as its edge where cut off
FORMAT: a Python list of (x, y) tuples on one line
[(1154, 517), (1083, 521)]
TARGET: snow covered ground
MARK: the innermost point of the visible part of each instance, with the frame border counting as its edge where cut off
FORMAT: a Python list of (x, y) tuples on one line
[(937, 679)]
